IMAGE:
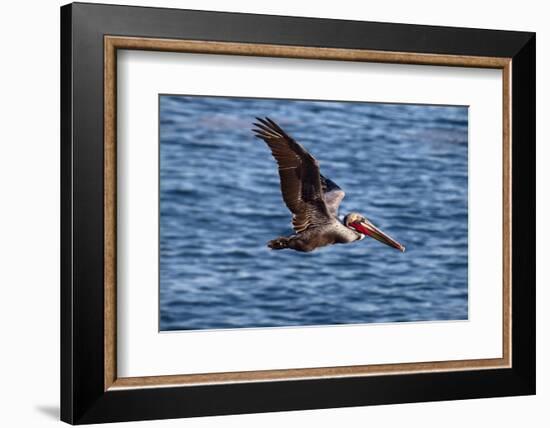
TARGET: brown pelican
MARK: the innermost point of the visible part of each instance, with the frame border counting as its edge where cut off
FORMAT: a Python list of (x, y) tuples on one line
[(313, 199)]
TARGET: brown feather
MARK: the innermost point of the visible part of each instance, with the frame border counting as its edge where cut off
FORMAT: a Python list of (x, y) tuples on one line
[(301, 185)]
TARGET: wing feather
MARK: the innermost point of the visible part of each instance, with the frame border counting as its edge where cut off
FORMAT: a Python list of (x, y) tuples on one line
[(333, 195), (301, 183)]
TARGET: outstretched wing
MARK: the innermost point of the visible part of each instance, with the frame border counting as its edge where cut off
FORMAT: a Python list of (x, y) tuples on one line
[(301, 184), (333, 195)]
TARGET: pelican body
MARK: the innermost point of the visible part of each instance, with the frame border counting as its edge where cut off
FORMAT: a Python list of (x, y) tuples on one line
[(313, 199)]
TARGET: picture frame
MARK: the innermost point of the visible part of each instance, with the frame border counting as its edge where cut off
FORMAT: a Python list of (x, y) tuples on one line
[(91, 390)]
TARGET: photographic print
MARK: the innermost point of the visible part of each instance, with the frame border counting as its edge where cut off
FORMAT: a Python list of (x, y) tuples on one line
[(280, 212), (335, 208)]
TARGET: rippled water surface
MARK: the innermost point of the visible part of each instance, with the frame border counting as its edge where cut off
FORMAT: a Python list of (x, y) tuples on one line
[(403, 166)]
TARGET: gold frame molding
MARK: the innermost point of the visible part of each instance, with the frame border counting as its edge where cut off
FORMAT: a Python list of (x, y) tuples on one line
[(113, 43)]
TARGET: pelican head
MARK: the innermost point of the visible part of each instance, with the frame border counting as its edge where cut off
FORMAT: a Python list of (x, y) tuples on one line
[(364, 227)]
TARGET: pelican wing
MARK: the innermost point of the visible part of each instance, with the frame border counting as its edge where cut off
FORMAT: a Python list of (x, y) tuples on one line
[(301, 183), (333, 195)]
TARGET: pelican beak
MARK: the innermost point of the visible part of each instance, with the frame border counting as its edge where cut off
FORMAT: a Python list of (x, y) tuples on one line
[(369, 229)]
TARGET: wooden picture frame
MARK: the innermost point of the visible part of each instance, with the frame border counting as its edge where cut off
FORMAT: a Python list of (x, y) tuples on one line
[(91, 390)]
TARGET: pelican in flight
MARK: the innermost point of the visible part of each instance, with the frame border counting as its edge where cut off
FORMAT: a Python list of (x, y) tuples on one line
[(312, 199)]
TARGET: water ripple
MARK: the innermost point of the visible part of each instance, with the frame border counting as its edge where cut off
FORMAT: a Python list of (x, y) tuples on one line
[(403, 166)]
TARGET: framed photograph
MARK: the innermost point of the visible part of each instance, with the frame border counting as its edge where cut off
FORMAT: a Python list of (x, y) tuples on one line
[(266, 213)]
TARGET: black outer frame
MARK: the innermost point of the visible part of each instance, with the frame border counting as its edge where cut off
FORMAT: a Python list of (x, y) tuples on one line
[(83, 399)]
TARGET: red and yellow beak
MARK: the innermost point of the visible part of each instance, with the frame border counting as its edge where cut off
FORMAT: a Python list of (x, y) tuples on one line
[(369, 229)]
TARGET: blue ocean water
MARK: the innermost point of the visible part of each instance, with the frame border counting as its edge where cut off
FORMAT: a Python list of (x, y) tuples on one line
[(405, 167)]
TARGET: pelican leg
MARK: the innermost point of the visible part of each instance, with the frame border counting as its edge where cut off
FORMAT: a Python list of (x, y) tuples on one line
[(279, 243), (294, 242)]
